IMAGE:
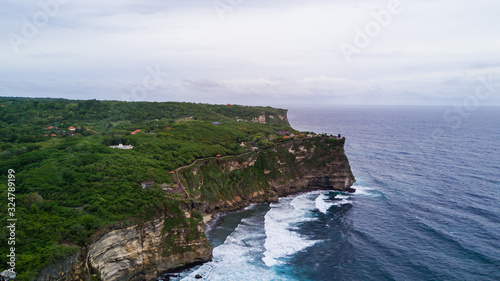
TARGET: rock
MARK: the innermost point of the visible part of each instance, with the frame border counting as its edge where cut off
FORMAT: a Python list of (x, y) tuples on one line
[(137, 252), (197, 276)]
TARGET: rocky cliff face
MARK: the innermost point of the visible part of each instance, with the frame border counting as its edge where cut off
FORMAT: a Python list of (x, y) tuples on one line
[(296, 166), (145, 250), (136, 252)]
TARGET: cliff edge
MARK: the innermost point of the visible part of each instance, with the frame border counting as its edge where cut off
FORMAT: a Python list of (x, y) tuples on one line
[(176, 238)]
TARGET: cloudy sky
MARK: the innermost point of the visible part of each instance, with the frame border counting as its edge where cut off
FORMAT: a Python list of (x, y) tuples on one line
[(281, 52)]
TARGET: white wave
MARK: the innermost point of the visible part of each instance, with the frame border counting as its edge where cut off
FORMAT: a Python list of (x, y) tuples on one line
[(249, 207), (342, 199), (281, 239), (238, 258), (366, 191), (321, 204), (342, 202)]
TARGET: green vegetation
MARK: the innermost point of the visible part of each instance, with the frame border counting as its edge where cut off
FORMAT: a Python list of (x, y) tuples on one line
[(69, 186)]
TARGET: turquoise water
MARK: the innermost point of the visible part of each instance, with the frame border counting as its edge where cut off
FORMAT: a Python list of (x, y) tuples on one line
[(427, 205)]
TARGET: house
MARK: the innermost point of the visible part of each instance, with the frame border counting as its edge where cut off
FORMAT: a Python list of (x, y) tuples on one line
[(135, 132), (49, 128), (147, 184), (283, 132), (228, 104), (71, 128), (215, 123), (218, 156), (121, 146), (53, 135)]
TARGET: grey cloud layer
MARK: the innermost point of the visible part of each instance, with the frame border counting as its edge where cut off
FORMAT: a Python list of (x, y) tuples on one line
[(431, 53)]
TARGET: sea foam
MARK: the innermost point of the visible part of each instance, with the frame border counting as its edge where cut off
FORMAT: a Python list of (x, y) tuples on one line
[(280, 224), (322, 204)]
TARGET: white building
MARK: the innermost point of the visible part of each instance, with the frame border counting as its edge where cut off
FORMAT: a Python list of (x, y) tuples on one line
[(121, 146)]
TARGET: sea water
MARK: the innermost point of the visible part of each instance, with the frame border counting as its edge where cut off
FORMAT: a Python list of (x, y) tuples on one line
[(426, 207)]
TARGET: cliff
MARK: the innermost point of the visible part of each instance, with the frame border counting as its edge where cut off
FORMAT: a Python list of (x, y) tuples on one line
[(176, 238), (300, 165), (72, 189)]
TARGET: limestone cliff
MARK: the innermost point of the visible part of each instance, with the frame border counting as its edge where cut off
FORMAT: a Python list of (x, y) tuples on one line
[(176, 238), (298, 165)]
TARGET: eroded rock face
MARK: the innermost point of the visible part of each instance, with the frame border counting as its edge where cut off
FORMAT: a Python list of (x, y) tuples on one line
[(137, 253), (299, 165)]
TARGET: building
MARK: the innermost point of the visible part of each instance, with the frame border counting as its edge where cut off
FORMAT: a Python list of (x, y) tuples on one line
[(215, 123), (135, 132), (147, 184), (121, 146)]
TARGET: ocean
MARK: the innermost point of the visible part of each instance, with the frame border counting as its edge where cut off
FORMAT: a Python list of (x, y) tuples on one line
[(426, 206)]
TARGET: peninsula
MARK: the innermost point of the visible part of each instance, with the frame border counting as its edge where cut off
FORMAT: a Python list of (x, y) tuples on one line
[(109, 190)]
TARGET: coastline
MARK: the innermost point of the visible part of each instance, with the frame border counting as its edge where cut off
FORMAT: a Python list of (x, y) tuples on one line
[(140, 252)]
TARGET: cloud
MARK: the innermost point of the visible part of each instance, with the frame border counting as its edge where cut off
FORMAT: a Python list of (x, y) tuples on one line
[(432, 52)]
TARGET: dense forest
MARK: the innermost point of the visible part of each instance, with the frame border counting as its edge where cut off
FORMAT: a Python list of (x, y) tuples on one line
[(69, 183)]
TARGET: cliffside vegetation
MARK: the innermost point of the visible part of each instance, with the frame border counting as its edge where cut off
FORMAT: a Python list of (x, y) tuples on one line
[(69, 183)]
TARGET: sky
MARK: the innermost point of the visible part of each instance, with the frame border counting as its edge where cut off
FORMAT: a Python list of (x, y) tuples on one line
[(254, 52)]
